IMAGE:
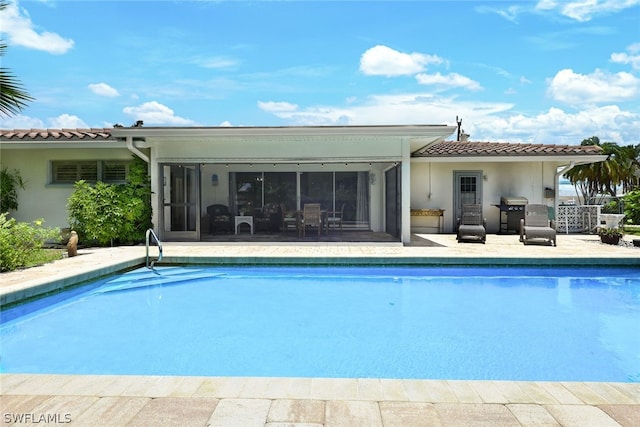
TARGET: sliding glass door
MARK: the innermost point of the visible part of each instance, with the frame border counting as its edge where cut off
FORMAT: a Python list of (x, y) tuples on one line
[(291, 190)]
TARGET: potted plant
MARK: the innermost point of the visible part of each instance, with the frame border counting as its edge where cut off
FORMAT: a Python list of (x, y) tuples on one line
[(610, 236)]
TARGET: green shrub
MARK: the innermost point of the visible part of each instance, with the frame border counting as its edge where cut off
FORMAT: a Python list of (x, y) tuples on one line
[(632, 207), (110, 214), (21, 243), (10, 181)]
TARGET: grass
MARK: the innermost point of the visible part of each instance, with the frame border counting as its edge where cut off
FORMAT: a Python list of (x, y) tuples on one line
[(44, 256), (632, 229)]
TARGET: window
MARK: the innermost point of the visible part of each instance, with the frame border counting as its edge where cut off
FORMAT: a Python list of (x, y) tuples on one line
[(68, 172), (333, 190)]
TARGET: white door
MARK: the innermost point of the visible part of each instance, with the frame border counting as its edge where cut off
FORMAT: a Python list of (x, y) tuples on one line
[(467, 190)]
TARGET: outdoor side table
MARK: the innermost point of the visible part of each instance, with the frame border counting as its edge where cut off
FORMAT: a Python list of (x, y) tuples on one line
[(244, 219)]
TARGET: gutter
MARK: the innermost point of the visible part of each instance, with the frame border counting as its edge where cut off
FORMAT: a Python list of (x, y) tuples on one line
[(134, 150)]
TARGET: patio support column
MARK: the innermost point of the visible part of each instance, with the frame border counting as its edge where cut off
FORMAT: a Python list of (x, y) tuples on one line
[(406, 192)]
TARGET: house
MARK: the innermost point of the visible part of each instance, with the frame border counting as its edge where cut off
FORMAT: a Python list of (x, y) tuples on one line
[(393, 179)]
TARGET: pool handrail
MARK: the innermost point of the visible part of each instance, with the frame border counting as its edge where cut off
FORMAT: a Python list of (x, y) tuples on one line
[(150, 232)]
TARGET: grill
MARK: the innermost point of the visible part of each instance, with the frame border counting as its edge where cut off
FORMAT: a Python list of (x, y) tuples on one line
[(511, 212)]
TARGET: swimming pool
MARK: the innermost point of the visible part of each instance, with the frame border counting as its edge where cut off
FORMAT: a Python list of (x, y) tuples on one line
[(424, 323)]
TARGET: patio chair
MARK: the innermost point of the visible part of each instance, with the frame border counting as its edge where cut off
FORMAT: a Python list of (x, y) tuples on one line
[(334, 219), (471, 225), (290, 219), (268, 219), (311, 217), (536, 226), (219, 219)]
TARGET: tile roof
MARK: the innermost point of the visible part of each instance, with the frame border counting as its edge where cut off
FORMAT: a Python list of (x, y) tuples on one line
[(442, 149), (471, 148), (55, 134)]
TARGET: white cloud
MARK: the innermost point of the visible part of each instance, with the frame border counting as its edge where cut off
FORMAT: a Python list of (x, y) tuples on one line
[(155, 113), (20, 30), (274, 107), (215, 62), (633, 57), (410, 108), (103, 89), (20, 121), (225, 124), (384, 61), (546, 4), (596, 88), (448, 80), (485, 121), (510, 13), (63, 121), (557, 126), (585, 10), (67, 121)]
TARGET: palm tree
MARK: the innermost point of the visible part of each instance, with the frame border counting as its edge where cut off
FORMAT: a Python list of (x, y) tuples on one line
[(620, 169), (12, 97), (630, 167)]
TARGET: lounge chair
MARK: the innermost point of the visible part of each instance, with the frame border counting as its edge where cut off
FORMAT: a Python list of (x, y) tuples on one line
[(536, 225), (311, 217), (471, 225)]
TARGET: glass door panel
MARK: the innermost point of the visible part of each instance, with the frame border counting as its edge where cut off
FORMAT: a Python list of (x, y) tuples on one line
[(248, 192), (180, 201), (352, 190), (280, 189), (468, 190), (393, 191), (317, 187)]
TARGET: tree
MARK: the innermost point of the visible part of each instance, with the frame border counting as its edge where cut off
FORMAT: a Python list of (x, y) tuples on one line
[(13, 98), (619, 170), (10, 182)]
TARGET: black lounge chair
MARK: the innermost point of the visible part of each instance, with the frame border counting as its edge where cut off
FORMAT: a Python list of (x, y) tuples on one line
[(536, 226), (471, 225), (219, 219)]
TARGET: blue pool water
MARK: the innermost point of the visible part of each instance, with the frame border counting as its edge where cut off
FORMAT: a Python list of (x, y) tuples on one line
[(426, 323)]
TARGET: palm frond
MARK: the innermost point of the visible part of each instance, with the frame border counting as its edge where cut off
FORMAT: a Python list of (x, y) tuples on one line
[(13, 98)]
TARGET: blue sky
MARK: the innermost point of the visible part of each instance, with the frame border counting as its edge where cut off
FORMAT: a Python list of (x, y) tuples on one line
[(520, 71)]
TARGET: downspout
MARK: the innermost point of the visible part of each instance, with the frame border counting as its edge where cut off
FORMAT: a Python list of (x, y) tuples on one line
[(562, 171), (135, 151)]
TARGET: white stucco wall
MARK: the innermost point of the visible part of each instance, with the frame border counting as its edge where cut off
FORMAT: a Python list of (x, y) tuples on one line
[(40, 199), (432, 186)]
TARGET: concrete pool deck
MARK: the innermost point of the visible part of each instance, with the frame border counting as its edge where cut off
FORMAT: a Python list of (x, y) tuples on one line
[(218, 401)]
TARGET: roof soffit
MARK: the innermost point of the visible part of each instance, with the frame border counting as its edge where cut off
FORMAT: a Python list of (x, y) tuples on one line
[(279, 133)]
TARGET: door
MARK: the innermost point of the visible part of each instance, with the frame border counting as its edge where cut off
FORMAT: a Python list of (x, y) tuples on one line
[(468, 190), (180, 202), (392, 216)]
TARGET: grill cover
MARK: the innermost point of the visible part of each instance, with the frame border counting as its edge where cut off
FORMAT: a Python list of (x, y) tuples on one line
[(513, 200)]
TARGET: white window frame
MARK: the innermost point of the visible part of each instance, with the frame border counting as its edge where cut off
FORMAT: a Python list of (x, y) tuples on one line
[(100, 168)]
